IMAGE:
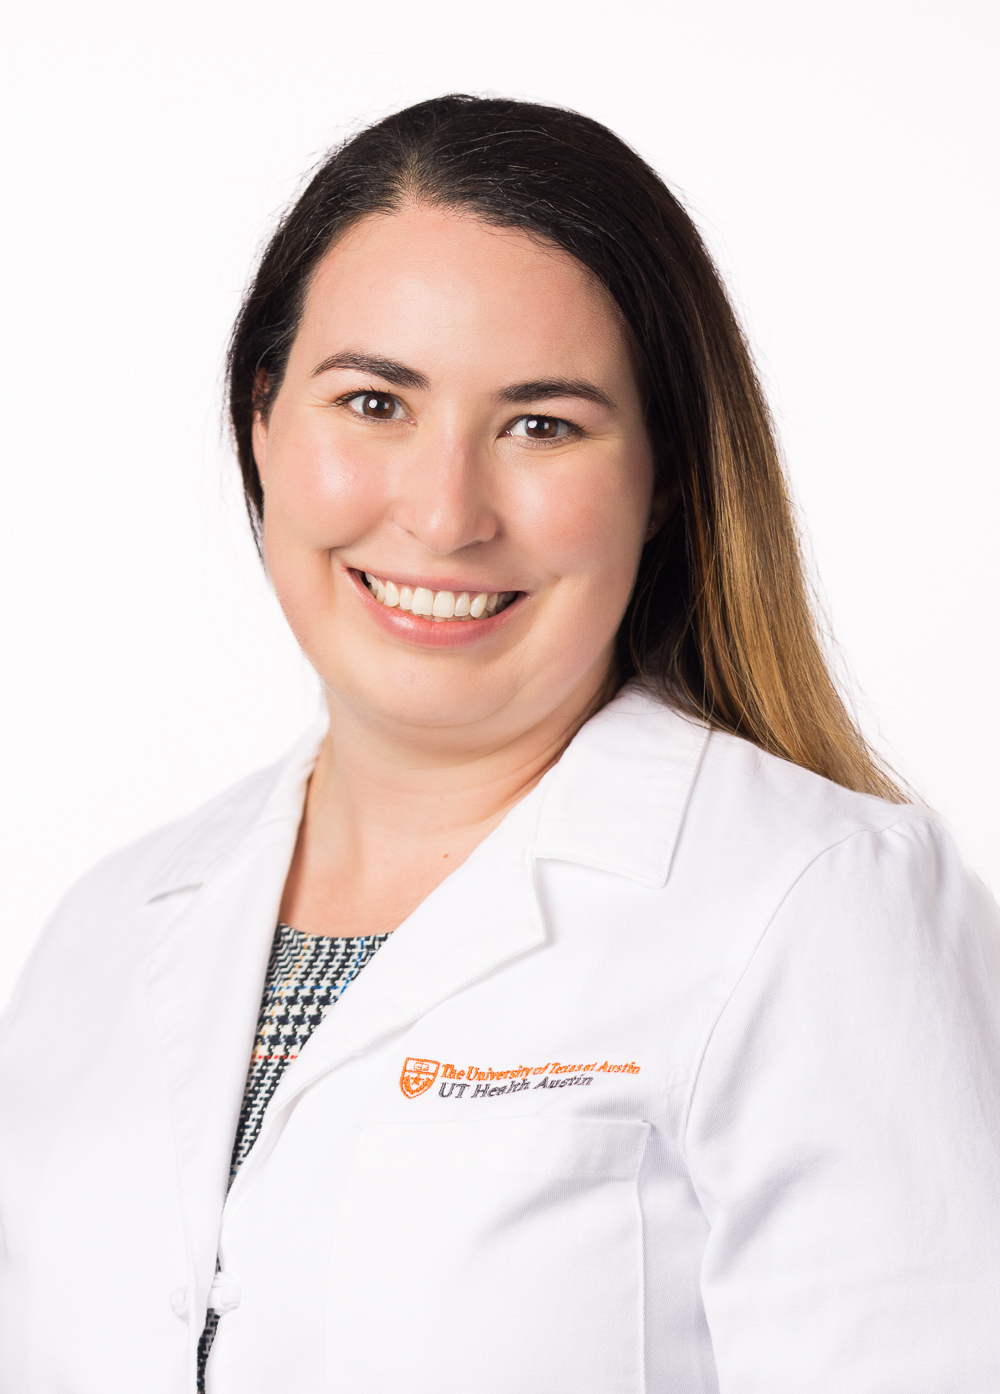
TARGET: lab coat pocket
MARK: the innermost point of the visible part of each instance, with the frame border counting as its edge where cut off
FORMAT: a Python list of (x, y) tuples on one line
[(488, 1256)]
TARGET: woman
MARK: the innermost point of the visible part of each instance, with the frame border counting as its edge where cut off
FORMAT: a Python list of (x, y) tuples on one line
[(669, 1059)]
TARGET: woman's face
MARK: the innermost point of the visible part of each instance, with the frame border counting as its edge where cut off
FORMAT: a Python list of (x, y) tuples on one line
[(459, 419)]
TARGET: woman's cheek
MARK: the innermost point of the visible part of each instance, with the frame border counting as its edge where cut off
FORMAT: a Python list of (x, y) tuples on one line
[(302, 579), (591, 524), (325, 497), (316, 501)]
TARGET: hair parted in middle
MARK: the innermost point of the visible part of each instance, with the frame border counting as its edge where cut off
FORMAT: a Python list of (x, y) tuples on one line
[(719, 624)]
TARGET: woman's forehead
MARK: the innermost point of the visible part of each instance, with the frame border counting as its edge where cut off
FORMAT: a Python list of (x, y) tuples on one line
[(443, 285)]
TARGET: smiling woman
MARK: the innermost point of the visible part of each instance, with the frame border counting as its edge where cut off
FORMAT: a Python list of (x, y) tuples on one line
[(583, 791)]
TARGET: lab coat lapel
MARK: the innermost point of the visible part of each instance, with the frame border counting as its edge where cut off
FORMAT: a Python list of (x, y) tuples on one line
[(484, 914), (204, 974), (618, 795)]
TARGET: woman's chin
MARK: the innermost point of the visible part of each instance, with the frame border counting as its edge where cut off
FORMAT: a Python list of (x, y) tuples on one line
[(420, 704)]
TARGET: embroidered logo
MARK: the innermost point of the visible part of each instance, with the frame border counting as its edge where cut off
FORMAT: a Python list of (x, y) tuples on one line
[(418, 1076)]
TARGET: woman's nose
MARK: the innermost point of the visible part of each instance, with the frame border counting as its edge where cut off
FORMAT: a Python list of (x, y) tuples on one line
[(444, 500)]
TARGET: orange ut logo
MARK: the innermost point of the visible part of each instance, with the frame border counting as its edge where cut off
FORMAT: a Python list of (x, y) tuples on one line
[(418, 1076)]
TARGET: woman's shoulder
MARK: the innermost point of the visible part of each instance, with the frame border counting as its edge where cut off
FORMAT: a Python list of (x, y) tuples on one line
[(158, 861), (661, 776), (803, 848), (181, 853), (764, 823), (102, 923), (766, 791), (724, 831), (738, 829)]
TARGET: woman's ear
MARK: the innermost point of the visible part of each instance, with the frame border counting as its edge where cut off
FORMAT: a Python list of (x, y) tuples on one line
[(666, 497), (260, 395)]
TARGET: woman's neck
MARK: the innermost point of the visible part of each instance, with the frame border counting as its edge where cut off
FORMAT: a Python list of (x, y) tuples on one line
[(389, 813)]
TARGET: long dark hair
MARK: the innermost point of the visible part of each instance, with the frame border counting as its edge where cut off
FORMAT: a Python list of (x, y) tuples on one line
[(719, 622)]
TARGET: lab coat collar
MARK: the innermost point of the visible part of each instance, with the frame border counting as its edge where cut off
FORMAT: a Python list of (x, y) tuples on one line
[(617, 797), (227, 821), (615, 800)]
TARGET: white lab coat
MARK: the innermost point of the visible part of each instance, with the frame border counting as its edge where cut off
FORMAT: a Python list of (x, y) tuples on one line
[(687, 1080)]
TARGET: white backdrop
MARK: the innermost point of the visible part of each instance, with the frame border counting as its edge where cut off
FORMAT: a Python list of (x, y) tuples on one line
[(836, 156)]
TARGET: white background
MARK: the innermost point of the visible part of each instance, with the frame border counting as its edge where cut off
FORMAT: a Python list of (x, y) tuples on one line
[(837, 157)]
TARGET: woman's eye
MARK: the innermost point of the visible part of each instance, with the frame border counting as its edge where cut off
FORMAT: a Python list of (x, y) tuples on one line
[(541, 428), (377, 406)]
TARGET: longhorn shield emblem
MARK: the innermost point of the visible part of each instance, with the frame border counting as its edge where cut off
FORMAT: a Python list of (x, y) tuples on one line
[(418, 1076)]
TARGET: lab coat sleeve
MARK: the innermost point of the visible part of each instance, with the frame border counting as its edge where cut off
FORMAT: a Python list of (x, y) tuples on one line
[(843, 1133)]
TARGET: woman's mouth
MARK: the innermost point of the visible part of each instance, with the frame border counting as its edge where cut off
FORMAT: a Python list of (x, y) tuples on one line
[(439, 606)]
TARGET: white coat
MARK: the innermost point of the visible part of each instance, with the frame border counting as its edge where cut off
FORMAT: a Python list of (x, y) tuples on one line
[(686, 1081)]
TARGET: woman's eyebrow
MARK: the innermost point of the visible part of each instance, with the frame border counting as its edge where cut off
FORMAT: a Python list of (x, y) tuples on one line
[(396, 373), (522, 393)]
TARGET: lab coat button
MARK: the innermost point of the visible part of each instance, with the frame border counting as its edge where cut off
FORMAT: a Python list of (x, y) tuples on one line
[(224, 1294), (179, 1301)]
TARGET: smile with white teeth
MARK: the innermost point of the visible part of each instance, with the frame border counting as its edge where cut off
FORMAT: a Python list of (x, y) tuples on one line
[(439, 606)]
